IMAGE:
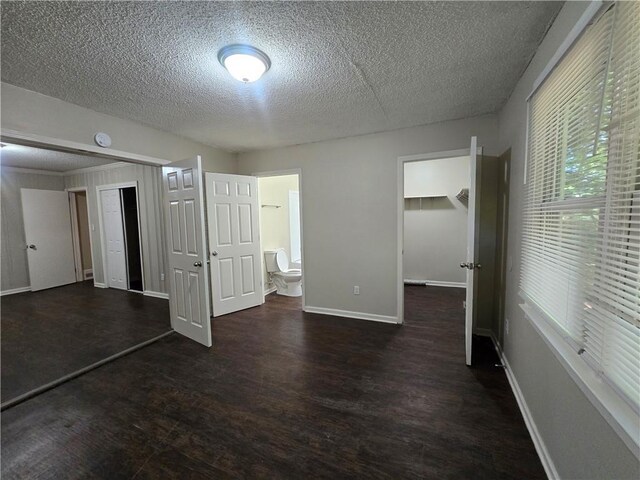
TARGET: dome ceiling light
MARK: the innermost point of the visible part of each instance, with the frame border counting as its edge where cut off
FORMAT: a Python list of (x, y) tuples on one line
[(244, 62)]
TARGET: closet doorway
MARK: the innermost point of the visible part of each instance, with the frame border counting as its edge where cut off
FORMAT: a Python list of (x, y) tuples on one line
[(119, 220)]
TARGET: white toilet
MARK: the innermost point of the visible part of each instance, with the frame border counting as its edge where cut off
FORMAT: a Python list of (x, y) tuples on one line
[(287, 281)]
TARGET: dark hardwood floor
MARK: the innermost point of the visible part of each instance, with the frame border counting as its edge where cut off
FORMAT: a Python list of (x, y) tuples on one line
[(284, 394), (51, 333)]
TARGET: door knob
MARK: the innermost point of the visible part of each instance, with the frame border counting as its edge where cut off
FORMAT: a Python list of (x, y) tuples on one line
[(214, 254), (32, 246), (470, 265), (197, 264)]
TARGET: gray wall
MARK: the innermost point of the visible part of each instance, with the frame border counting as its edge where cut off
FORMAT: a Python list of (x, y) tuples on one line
[(435, 230), (13, 260), (151, 217), (579, 440), (349, 201)]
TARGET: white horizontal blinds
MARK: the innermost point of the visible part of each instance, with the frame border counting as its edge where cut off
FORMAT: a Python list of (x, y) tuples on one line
[(566, 180), (612, 330), (581, 240)]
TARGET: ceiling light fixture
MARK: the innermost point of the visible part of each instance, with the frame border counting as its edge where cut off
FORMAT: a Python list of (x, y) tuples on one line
[(244, 62)]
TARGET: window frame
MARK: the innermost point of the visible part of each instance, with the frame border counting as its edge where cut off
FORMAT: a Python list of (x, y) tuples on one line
[(612, 404)]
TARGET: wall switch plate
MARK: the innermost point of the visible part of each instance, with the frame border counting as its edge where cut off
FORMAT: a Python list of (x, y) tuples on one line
[(162, 277), (356, 290)]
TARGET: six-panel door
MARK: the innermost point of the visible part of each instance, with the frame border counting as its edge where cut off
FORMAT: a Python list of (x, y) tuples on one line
[(234, 242)]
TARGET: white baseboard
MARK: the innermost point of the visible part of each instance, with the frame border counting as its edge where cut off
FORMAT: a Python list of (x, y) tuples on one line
[(345, 313), (269, 290), (151, 293), (435, 283), (14, 291), (99, 285), (87, 274), (538, 442)]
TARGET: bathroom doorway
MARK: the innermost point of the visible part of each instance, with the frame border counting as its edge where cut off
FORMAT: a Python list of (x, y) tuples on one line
[(281, 234)]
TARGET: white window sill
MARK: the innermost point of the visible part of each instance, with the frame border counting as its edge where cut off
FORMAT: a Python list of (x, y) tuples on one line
[(616, 411)]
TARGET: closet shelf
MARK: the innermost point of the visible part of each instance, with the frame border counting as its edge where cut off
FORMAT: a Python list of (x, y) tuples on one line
[(425, 196)]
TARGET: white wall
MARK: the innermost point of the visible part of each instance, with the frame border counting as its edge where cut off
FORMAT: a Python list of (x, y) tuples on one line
[(580, 442), (33, 113), (274, 222), (435, 229), (349, 200), (13, 259)]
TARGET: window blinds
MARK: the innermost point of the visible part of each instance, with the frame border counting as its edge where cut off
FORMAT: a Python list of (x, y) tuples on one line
[(581, 225)]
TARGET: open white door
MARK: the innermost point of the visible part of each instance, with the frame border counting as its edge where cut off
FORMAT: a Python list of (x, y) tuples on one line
[(114, 244), (471, 263), (234, 242), (187, 255), (47, 228)]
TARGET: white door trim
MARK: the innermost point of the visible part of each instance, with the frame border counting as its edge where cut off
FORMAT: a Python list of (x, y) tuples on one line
[(400, 213), (282, 173), (114, 186)]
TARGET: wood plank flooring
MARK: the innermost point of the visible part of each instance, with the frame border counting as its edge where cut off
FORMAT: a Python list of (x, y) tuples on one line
[(54, 332), (284, 394)]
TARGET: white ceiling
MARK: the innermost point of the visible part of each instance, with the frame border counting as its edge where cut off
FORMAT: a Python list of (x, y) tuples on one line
[(49, 160), (338, 68)]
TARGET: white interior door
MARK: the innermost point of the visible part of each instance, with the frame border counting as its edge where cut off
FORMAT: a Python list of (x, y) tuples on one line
[(47, 228), (187, 256), (471, 263), (114, 242), (234, 242)]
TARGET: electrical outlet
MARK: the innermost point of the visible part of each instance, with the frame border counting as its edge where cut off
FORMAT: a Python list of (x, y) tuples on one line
[(506, 326), (356, 290), (162, 277)]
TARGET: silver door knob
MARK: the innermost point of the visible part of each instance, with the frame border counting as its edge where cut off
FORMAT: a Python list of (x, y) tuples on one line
[(470, 265), (197, 264), (214, 254), (32, 246)]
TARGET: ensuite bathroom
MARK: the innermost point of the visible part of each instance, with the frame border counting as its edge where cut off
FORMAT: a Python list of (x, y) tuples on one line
[(280, 232)]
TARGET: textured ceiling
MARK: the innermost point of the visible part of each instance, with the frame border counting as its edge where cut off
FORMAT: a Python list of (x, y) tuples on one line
[(338, 68), (40, 159)]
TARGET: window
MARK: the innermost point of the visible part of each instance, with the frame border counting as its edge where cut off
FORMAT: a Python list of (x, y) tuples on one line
[(581, 232)]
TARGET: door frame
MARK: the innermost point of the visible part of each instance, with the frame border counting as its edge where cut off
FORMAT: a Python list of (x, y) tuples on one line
[(114, 186), (282, 173), (400, 212), (75, 231)]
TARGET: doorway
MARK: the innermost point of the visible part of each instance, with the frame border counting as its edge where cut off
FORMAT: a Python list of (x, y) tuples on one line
[(281, 234), (452, 211), (120, 232), (81, 233)]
